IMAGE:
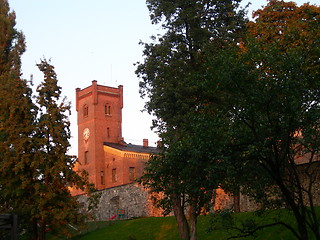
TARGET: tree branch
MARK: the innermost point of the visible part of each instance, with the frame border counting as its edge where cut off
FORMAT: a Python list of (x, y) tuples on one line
[(251, 232)]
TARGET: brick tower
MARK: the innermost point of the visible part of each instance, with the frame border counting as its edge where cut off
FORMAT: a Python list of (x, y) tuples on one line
[(99, 113)]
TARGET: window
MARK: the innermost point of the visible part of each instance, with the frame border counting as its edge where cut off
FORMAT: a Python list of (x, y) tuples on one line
[(108, 132), (132, 173), (114, 175), (102, 177), (86, 157), (107, 109), (85, 110)]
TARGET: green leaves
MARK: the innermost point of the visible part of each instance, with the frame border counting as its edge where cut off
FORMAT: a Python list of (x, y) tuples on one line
[(234, 106), (171, 65), (174, 78), (35, 170), (274, 104), (54, 167)]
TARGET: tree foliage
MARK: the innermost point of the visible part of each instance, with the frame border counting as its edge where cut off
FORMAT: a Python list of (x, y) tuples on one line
[(171, 79), (272, 99), (17, 117), (174, 58), (35, 169), (235, 106), (54, 167)]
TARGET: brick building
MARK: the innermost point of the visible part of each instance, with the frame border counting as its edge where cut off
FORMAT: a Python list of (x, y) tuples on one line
[(111, 163), (103, 153)]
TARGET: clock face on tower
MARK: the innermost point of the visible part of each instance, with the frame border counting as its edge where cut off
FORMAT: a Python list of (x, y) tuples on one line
[(86, 134)]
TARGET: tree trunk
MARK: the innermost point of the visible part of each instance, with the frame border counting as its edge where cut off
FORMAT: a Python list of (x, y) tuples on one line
[(182, 222), (298, 210), (43, 231), (302, 226), (193, 223), (39, 231), (35, 230)]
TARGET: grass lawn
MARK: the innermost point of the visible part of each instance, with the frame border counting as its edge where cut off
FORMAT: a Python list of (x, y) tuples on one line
[(209, 227), (144, 228)]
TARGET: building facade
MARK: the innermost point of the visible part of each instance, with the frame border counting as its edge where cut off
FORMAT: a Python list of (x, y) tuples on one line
[(102, 151)]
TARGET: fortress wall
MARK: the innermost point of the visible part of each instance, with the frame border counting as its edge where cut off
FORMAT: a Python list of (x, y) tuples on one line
[(132, 198)]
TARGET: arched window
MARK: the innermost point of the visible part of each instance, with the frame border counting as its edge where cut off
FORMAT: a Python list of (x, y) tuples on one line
[(85, 110), (107, 109)]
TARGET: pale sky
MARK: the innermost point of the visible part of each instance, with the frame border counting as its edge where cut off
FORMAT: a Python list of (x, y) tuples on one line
[(93, 40)]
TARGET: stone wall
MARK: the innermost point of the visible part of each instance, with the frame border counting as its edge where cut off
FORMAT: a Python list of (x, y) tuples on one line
[(136, 202), (247, 204), (308, 176), (132, 198)]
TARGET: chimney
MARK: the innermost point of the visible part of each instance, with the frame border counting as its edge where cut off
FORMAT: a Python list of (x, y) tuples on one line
[(95, 92), (77, 98), (145, 142)]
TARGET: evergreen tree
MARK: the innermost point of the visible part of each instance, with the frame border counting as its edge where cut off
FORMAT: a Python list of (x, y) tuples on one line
[(17, 118), (54, 203), (35, 170)]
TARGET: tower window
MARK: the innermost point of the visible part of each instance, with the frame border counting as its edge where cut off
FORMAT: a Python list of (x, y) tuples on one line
[(85, 110), (107, 109), (132, 173), (86, 157), (114, 175), (108, 132), (102, 177)]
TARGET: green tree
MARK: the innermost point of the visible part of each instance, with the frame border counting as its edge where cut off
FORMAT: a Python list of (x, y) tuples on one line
[(55, 206), (17, 121), (35, 170), (171, 79), (272, 98)]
